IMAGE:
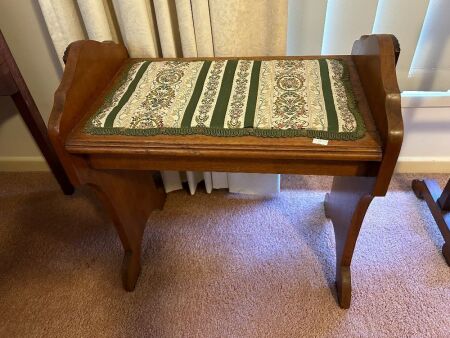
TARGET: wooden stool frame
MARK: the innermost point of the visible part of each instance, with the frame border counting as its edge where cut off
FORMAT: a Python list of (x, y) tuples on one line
[(118, 167)]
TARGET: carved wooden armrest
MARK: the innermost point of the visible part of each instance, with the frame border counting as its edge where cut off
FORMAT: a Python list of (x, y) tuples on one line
[(90, 67), (375, 57)]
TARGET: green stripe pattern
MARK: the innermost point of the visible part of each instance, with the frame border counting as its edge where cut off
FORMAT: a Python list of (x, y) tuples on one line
[(190, 109), (223, 98), (112, 116), (328, 96), (252, 95), (264, 98)]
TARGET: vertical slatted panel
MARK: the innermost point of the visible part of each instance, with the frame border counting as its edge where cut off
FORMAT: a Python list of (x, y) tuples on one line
[(396, 17), (250, 27), (168, 30), (96, 20), (220, 18), (430, 69), (63, 22), (345, 22), (186, 25), (112, 20), (306, 20), (171, 180), (137, 27), (202, 27)]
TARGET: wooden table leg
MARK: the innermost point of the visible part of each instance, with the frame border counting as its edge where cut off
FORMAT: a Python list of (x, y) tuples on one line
[(346, 206), (12, 84), (38, 130), (444, 200), (439, 204), (129, 198)]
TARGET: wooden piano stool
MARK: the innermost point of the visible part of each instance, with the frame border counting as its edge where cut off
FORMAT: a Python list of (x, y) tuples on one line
[(118, 166)]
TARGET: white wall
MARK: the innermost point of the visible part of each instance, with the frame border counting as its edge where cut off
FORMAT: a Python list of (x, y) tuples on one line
[(426, 144), (24, 29)]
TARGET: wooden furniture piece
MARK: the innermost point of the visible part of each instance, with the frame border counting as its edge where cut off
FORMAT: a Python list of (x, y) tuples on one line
[(12, 84), (118, 167), (438, 202)]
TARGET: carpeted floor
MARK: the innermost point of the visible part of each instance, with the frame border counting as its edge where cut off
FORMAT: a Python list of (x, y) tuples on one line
[(219, 265)]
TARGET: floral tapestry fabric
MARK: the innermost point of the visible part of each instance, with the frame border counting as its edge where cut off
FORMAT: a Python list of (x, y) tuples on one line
[(268, 98)]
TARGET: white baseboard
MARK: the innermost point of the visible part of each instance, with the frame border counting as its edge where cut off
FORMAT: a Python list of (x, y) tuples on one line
[(405, 164), (23, 163), (426, 165)]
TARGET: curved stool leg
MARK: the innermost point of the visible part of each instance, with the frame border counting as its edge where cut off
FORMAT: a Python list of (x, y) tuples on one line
[(129, 198), (346, 206)]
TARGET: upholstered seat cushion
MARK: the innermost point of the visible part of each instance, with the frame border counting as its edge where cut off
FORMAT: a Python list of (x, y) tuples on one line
[(270, 98)]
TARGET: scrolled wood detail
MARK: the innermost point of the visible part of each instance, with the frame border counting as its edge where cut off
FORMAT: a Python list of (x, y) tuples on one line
[(375, 57)]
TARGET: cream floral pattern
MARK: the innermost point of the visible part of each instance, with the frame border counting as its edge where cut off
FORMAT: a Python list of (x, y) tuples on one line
[(160, 98), (209, 94), (113, 99), (346, 118), (290, 110), (237, 105)]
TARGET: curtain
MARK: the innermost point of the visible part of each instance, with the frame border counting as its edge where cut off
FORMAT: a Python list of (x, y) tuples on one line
[(179, 28)]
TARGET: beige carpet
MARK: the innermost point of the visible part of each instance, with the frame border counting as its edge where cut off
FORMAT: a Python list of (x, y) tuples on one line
[(219, 265)]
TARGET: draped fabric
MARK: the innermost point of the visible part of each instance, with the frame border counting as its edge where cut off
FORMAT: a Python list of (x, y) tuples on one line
[(179, 28), (63, 23)]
